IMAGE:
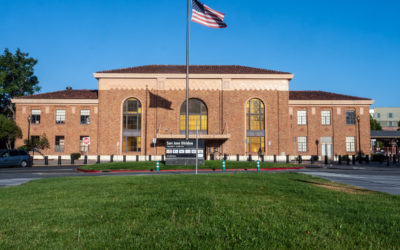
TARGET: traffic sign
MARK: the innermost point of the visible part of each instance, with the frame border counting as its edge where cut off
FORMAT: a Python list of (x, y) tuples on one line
[(86, 140)]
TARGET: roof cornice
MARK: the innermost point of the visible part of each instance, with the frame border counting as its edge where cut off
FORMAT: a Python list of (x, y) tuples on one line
[(330, 102), (54, 101), (191, 76)]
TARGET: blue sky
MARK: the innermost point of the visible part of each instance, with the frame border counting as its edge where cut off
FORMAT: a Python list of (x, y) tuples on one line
[(350, 47)]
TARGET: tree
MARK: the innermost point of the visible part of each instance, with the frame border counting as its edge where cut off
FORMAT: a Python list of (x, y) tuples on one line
[(16, 78), (9, 131), (37, 145), (374, 124)]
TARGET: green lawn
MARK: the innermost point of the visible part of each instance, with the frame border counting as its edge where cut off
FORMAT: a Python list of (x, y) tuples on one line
[(148, 165), (247, 210)]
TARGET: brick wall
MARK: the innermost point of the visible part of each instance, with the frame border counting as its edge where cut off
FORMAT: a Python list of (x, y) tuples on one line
[(71, 129)]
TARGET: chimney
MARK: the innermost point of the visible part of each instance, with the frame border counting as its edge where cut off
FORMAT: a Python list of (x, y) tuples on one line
[(68, 88)]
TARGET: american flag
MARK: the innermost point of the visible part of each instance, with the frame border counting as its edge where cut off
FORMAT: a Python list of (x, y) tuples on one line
[(206, 16)]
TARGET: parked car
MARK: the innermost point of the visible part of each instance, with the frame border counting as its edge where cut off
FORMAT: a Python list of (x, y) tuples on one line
[(15, 157)]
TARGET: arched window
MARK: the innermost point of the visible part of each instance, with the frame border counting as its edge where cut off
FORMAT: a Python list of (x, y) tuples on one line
[(131, 125), (197, 112), (255, 126)]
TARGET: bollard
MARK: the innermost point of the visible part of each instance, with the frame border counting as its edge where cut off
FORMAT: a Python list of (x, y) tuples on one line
[(162, 157), (237, 157), (348, 160), (111, 158), (223, 166), (367, 159), (300, 159), (149, 157), (158, 166), (46, 160), (312, 159), (250, 158), (98, 159), (124, 158), (85, 160), (387, 161), (59, 160), (137, 158), (262, 158), (353, 160), (394, 159), (326, 160), (275, 159), (225, 157), (340, 160), (258, 165), (359, 159), (212, 157), (287, 158), (72, 160)]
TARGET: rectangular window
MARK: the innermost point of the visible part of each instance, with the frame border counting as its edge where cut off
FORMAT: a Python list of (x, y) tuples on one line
[(390, 115), (350, 144), (301, 117), (85, 116), (59, 144), (302, 143), (34, 140), (35, 117), (255, 144), (131, 143), (326, 117), (60, 116), (83, 147), (378, 115), (350, 117)]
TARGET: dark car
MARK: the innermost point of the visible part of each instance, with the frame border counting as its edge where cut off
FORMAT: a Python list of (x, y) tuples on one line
[(15, 157)]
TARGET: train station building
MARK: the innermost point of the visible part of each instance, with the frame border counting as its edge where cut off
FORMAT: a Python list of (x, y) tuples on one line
[(239, 111)]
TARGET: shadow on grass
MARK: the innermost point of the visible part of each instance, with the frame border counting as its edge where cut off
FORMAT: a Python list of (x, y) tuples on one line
[(334, 186)]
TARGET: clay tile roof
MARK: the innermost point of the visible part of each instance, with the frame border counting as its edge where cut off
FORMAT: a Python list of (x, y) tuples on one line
[(64, 94), (321, 95), (194, 69)]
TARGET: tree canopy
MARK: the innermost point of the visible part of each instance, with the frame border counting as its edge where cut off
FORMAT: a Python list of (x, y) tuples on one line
[(375, 125), (16, 78), (9, 131)]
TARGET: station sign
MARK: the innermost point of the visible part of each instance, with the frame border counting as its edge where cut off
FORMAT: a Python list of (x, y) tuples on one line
[(184, 151)]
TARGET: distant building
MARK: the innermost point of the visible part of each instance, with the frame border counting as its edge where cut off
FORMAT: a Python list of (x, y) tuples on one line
[(239, 111), (388, 117)]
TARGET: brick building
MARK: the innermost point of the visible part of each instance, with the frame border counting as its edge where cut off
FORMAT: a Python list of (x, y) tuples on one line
[(239, 110)]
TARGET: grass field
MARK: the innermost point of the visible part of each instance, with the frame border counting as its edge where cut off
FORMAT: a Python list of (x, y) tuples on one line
[(248, 210), (148, 165)]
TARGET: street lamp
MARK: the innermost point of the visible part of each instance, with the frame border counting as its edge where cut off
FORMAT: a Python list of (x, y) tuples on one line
[(316, 143), (359, 137), (29, 130)]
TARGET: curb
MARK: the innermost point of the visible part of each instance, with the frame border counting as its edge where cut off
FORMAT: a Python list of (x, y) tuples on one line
[(184, 170)]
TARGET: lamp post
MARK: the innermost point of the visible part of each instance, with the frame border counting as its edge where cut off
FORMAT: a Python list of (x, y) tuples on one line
[(316, 143), (359, 136), (29, 131)]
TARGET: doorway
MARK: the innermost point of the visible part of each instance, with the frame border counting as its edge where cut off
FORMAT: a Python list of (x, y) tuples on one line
[(326, 147)]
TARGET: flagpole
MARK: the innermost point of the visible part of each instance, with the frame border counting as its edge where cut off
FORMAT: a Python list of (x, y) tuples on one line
[(187, 71)]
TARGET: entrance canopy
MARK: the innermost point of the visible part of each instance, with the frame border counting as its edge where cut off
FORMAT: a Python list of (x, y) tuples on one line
[(382, 134), (193, 136)]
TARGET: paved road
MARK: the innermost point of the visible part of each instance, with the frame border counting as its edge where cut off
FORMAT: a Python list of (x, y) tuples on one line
[(373, 177), (378, 178)]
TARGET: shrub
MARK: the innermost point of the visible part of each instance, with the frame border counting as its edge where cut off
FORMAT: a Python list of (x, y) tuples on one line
[(75, 156), (24, 147)]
